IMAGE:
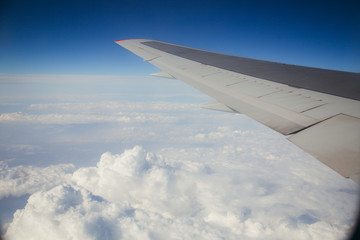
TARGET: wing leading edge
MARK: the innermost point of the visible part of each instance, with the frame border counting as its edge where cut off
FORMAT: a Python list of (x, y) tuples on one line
[(318, 109)]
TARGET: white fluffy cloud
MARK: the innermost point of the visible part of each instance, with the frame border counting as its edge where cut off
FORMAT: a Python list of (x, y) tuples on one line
[(20, 180), (141, 195)]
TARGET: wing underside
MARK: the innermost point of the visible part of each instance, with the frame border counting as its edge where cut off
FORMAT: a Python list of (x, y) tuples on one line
[(319, 110)]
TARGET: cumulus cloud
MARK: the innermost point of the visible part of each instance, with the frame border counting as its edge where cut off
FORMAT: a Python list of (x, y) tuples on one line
[(142, 195), (20, 180)]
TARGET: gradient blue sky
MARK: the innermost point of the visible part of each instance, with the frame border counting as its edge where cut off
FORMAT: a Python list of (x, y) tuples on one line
[(76, 37)]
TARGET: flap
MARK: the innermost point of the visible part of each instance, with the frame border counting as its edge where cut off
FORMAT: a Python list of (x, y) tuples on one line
[(216, 106), (162, 74)]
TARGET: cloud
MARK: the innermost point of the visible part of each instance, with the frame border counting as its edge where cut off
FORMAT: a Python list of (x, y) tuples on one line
[(61, 118), (142, 195), (101, 112), (20, 180), (19, 117), (111, 106), (65, 213)]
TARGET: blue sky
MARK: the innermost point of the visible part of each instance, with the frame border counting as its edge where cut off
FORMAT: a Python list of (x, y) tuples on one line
[(76, 37)]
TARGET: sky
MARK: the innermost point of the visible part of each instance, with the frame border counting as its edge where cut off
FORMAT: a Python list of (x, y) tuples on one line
[(92, 147), (76, 37)]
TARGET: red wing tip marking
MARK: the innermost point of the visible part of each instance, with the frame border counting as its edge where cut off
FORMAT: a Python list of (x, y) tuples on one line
[(127, 39)]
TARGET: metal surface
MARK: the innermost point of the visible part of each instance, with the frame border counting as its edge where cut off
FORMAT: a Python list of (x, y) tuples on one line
[(343, 84), (322, 111), (335, 142), (276, 117)]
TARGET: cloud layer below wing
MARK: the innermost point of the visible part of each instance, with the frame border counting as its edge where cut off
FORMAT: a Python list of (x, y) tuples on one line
[(141, 195)]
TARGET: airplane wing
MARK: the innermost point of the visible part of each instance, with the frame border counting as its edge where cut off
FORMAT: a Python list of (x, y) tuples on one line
[(317, 109)]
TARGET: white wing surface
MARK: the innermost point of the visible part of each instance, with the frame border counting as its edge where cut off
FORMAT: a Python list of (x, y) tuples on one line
[(318, 109)]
